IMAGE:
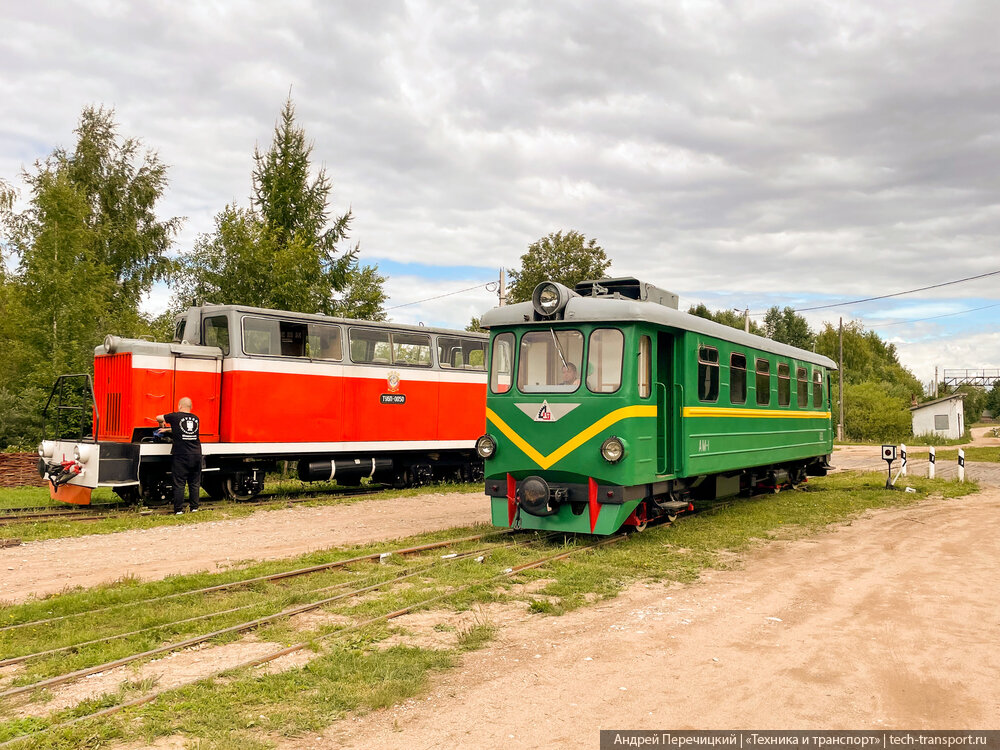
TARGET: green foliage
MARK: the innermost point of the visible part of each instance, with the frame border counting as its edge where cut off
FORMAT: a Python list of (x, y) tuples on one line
[(89, 247), (564, 258), (873, 412), (475, 325), (730, 318), (974, 402), (993, 400), (788, 327), (282, 252)]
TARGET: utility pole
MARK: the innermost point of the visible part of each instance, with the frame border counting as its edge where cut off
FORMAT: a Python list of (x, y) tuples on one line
[(935, 389), (840, 373), (746, 320), (502, 290)]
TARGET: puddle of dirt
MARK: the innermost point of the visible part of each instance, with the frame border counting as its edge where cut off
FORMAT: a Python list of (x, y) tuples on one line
[(317, 619), (440, 628)]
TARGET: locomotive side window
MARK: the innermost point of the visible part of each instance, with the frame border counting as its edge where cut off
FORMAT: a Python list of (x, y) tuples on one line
[(604, 360), (645, 366), (550, 361), (215, 332), (817, 388), (763, 382), (708, 373), (411, 349), (502, 363), (784, 384), (461, 354), (261, 336), (324, 342), (370, 346), (802, 376), (737, 378)]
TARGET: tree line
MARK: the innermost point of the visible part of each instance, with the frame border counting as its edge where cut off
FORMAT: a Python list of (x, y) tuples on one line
[(77, 261)]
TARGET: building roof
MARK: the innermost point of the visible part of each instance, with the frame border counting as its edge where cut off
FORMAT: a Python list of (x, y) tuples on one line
[(952, 397)]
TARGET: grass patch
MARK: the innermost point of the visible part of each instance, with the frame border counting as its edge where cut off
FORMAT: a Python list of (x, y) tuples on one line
[(975, 453), (348, 673)]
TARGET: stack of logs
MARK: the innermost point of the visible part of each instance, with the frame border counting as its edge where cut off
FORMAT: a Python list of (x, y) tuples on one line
[(19, 470)]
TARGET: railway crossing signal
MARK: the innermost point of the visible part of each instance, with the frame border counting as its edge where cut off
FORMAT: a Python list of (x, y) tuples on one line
[(889, 455)]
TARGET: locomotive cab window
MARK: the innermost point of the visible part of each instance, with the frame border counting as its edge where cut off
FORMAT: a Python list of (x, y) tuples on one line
[(370, 346), (502, 363), (708, 373), (604, 360), (784, 384), (461, 354), (737, 378), (645, 366), (817, 388), (763, 382), (324, 342), (802, 376), (550, 361), (274, 338), (215, 332), (411, 349)]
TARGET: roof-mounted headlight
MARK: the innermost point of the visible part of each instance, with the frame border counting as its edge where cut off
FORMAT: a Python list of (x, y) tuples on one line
[(549, 298)]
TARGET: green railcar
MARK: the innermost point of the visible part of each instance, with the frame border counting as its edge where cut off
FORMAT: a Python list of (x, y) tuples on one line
[(608, 407)]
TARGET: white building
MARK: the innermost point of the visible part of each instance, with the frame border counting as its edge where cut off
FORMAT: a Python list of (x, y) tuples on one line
[(943, 417)]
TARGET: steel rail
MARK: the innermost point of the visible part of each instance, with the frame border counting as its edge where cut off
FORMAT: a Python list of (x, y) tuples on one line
[(344, 584), (259, 579), (238, 628), (148, 698)]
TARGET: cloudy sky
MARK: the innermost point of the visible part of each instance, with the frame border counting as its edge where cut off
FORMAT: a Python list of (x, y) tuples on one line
[(741, 154)]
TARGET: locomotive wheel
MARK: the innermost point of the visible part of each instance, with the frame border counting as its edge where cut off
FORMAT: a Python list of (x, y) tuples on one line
[(129, 495), (240, 487)]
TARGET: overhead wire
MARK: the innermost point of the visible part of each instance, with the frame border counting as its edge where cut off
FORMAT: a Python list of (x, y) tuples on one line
[(484, 284), (933, 317), (887, 296)]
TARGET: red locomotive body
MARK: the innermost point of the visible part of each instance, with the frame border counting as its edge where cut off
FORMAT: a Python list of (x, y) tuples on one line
[(345, 399)]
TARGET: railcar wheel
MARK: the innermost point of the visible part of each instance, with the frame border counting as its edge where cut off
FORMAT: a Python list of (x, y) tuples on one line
[(242, 486)]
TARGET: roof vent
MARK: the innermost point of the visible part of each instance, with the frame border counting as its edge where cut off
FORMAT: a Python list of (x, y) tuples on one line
[(628, 287)]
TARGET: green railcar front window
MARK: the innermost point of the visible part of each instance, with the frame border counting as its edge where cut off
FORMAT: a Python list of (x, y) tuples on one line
[(549, 361), (604, 360)]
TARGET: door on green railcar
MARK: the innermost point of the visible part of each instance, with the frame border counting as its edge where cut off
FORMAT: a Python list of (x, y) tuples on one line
[(663, 357)]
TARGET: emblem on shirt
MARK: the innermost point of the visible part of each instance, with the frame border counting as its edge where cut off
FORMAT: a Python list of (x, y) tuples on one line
[(393, 381)]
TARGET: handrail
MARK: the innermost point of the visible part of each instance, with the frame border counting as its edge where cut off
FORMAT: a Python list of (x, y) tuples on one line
[(58, 387)]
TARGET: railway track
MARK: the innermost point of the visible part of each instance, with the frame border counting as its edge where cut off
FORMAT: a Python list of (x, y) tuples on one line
[(506, 542)]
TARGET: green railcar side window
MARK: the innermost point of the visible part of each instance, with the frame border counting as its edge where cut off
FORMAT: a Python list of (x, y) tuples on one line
[(817, 388), (645, 366), (784, 384), (763, 382), (708, 373), (604, 360), (802, 376), (502, 363), (737, 378)]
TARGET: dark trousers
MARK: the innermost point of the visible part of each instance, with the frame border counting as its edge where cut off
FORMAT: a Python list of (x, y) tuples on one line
[(186, 471)]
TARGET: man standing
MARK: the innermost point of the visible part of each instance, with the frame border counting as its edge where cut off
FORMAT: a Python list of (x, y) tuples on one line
[(185, 453)]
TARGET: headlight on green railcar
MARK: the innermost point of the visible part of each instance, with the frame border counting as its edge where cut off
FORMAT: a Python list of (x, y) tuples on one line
[(486, 447), (613, 450)]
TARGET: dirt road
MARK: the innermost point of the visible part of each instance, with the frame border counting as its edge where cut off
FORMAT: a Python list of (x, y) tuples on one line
[(892, 621), (45, 567)]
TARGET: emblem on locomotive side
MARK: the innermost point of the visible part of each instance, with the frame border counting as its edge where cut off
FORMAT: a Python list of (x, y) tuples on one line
[(546, 412), (392, 379)]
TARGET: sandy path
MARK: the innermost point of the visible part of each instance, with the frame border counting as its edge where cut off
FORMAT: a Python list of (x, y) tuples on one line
[(891, 621), (45, 567)]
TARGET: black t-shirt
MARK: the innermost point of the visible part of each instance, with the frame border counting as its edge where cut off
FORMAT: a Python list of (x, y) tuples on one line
[(184, 432)]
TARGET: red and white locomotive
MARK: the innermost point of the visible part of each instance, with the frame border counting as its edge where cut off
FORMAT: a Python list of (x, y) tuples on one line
[(345, 399)]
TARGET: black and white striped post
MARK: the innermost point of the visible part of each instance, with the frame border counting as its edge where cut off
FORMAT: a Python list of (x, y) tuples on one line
[(961, 465), (930, 464), (902, 455)]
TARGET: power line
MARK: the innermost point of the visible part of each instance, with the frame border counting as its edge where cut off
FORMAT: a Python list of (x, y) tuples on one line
[(933, 317), (887, 296), (485, 284)]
